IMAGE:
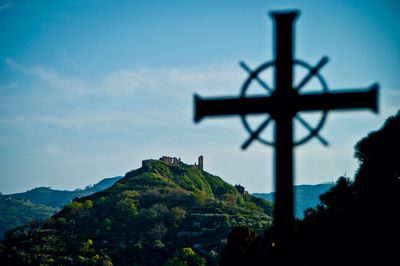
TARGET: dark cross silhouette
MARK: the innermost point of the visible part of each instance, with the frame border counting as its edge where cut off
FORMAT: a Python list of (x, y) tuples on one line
[(283, 105)]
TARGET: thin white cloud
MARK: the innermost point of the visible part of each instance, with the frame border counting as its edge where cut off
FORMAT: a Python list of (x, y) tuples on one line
[(171, 81), (52, 77), (8, 61), (125, 82), (5, 6), (391, 93), (8, 86), (151, 90), (53, 149), (71, 121)]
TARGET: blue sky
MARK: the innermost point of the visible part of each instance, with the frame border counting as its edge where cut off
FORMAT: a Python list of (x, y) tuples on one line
[(90, 88)]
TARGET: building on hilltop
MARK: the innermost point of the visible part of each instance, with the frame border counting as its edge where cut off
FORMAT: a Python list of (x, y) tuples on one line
[(240, 189), (172, 161), (200, 163)]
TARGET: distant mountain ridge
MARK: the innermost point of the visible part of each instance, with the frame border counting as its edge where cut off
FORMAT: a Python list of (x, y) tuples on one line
[(57, 198), (40, 203), (306, 196)]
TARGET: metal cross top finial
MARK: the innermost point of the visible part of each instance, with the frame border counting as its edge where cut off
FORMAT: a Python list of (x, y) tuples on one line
[(282, 105)]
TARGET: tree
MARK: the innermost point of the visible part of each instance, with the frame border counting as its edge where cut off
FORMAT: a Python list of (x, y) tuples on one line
[(177, 214), (186, 257), (239, 240), (199, 197), (127, 206), (157, 232)]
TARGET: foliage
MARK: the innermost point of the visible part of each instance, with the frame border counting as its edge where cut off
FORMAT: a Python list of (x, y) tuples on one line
[(156, 215), (185, 257), (40, 203), (16, 212), (356, 222), (239, 240)]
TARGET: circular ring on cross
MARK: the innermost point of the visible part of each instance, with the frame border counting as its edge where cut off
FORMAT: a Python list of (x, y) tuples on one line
[(255, 75)]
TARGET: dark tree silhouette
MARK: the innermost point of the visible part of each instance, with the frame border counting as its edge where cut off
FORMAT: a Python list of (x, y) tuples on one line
[(239, 240), (356, 222)]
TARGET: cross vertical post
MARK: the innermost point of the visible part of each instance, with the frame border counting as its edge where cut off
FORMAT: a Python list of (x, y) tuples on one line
[(283, 211)]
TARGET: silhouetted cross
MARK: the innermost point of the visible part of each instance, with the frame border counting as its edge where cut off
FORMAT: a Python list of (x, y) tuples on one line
[(283, 105)]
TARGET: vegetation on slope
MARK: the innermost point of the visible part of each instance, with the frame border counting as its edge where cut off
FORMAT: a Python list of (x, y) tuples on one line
[(18, 212), (40, 203), (158, 214)]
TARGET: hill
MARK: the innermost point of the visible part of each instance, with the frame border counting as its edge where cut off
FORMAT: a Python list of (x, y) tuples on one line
[(306, 196), (16, 212), (157, 214), (40, 203)]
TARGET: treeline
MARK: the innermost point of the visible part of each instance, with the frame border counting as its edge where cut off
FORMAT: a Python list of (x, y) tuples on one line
[(16, 212), (356, 223)]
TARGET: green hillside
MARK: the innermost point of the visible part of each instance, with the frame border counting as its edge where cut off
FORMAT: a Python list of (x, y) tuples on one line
[(158, 214), (40, 203), (14, 212)]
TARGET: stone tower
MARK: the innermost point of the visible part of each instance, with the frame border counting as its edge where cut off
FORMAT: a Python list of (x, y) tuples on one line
[(200, 164)]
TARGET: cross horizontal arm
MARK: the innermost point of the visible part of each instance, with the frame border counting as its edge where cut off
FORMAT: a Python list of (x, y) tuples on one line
[(231, 106), (276, 104), (367, 99)]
